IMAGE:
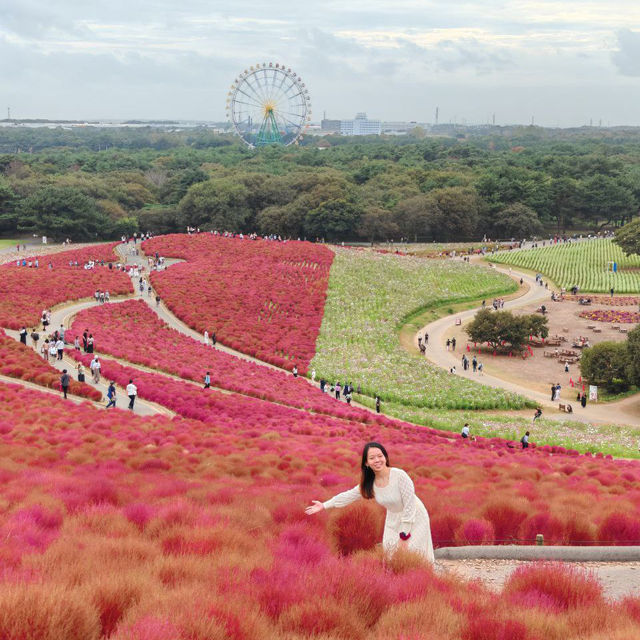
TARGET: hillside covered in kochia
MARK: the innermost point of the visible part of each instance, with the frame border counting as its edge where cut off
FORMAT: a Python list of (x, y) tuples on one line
[(100, 184)]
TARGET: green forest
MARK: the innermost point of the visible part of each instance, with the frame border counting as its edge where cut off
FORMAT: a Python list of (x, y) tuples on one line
[(90, 183)]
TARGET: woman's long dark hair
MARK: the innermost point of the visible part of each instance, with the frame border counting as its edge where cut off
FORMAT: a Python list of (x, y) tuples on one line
[(367, 476)]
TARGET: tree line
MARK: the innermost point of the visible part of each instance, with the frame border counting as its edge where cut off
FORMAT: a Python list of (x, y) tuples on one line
[(93, 183)]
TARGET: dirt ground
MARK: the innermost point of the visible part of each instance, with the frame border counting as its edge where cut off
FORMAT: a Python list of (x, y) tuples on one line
[(538, 372), (618, 579)]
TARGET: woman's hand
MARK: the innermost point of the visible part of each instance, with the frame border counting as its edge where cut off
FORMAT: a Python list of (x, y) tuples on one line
[(315, 507)]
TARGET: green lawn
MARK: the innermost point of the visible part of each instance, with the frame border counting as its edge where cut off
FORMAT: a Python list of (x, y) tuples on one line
[(583, 264), (370, 296)]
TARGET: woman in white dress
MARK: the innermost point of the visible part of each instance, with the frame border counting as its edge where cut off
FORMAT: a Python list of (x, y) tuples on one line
[(407, 521)]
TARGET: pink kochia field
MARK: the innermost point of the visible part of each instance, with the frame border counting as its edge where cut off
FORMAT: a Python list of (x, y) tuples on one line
[(115, 526), (25, 292), (263, 298), (192, 527)]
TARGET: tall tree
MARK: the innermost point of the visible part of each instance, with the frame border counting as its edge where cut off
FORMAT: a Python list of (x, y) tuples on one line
[(628, 237)]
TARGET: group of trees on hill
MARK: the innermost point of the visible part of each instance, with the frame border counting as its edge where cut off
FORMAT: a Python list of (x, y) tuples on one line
[(102, 183), (613, 365)]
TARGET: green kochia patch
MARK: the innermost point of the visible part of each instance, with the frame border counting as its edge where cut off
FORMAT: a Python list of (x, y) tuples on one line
[(619, 441), (371, 295), (584, 264)]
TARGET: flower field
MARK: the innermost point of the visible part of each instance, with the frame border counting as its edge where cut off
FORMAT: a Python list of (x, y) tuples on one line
[(263, 298), (370, 294), (155, 529), (193, 528), (583, 264), (611, 315), (19, 361), (131, 331), (25, 292)]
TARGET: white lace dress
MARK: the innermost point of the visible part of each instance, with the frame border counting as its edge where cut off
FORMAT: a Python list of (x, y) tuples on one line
[(405, 512)]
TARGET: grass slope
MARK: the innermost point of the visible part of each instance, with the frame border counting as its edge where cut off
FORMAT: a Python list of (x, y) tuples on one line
[(370, 296), (583, 264)]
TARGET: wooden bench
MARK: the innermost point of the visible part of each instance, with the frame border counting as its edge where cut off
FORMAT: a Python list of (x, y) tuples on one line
[(623, 330), (591, 326), (550, 354), (597, 331)]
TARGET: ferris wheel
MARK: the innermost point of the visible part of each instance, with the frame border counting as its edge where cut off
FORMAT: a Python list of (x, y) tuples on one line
[(269, 104)]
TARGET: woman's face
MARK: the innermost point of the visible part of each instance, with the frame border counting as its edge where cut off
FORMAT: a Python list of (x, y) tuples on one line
[(376, 459)]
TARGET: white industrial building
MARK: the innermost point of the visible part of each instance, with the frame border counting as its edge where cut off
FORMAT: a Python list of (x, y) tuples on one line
[(360, 126)]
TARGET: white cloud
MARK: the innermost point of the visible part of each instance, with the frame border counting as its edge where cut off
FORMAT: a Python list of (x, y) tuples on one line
[(396, 60)]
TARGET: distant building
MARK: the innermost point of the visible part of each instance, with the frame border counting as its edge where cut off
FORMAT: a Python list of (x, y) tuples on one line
[(398, 128), (330, 126), (360, 126)]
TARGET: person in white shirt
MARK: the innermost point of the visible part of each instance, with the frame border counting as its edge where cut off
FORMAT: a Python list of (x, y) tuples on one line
[(60, 348), (132, 392), (95, 369), (465, 431), (407, 522)]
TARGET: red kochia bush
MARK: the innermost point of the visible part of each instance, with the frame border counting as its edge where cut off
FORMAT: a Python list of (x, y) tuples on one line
[(619, 528), (475, 531), (553, 586), (486, 626), (357, 528)]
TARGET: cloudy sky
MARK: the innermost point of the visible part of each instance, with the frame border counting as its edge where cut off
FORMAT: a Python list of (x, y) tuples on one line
[(565, 63)]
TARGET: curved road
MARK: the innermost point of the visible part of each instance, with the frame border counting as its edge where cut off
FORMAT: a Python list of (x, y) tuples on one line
[(624, 411)]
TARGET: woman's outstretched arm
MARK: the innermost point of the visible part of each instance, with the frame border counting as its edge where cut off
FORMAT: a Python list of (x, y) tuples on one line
[(341, 500)]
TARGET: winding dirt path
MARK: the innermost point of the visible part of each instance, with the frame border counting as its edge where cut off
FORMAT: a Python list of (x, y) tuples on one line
[(624, 411)]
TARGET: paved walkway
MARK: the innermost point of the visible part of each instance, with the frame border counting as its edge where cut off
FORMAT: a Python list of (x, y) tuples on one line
[(624, 411), (141, 407)]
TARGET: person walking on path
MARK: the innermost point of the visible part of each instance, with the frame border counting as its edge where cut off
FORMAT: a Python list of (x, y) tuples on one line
[(111, 394), (474, 364), (207, 381), (525, 440), (295, 371), (407, 522), (132, 392), (213, 338), (157, 301), (90, 343), (205, 337), (80, 372), (65, 381), (553, 392), (60, 348), (377, 404), (44, 349), (448, 344), (537, 414), (465, 430), (453, 344), (76, 343), (35, 336), (95, 369), (313, 375), (23, 336), (611, 291), (85, 340)]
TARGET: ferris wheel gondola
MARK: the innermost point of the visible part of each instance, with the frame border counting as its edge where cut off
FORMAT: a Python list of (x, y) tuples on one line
[(269, 104)]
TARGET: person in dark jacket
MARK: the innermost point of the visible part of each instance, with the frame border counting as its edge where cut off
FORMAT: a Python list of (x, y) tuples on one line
[(65, 381)]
